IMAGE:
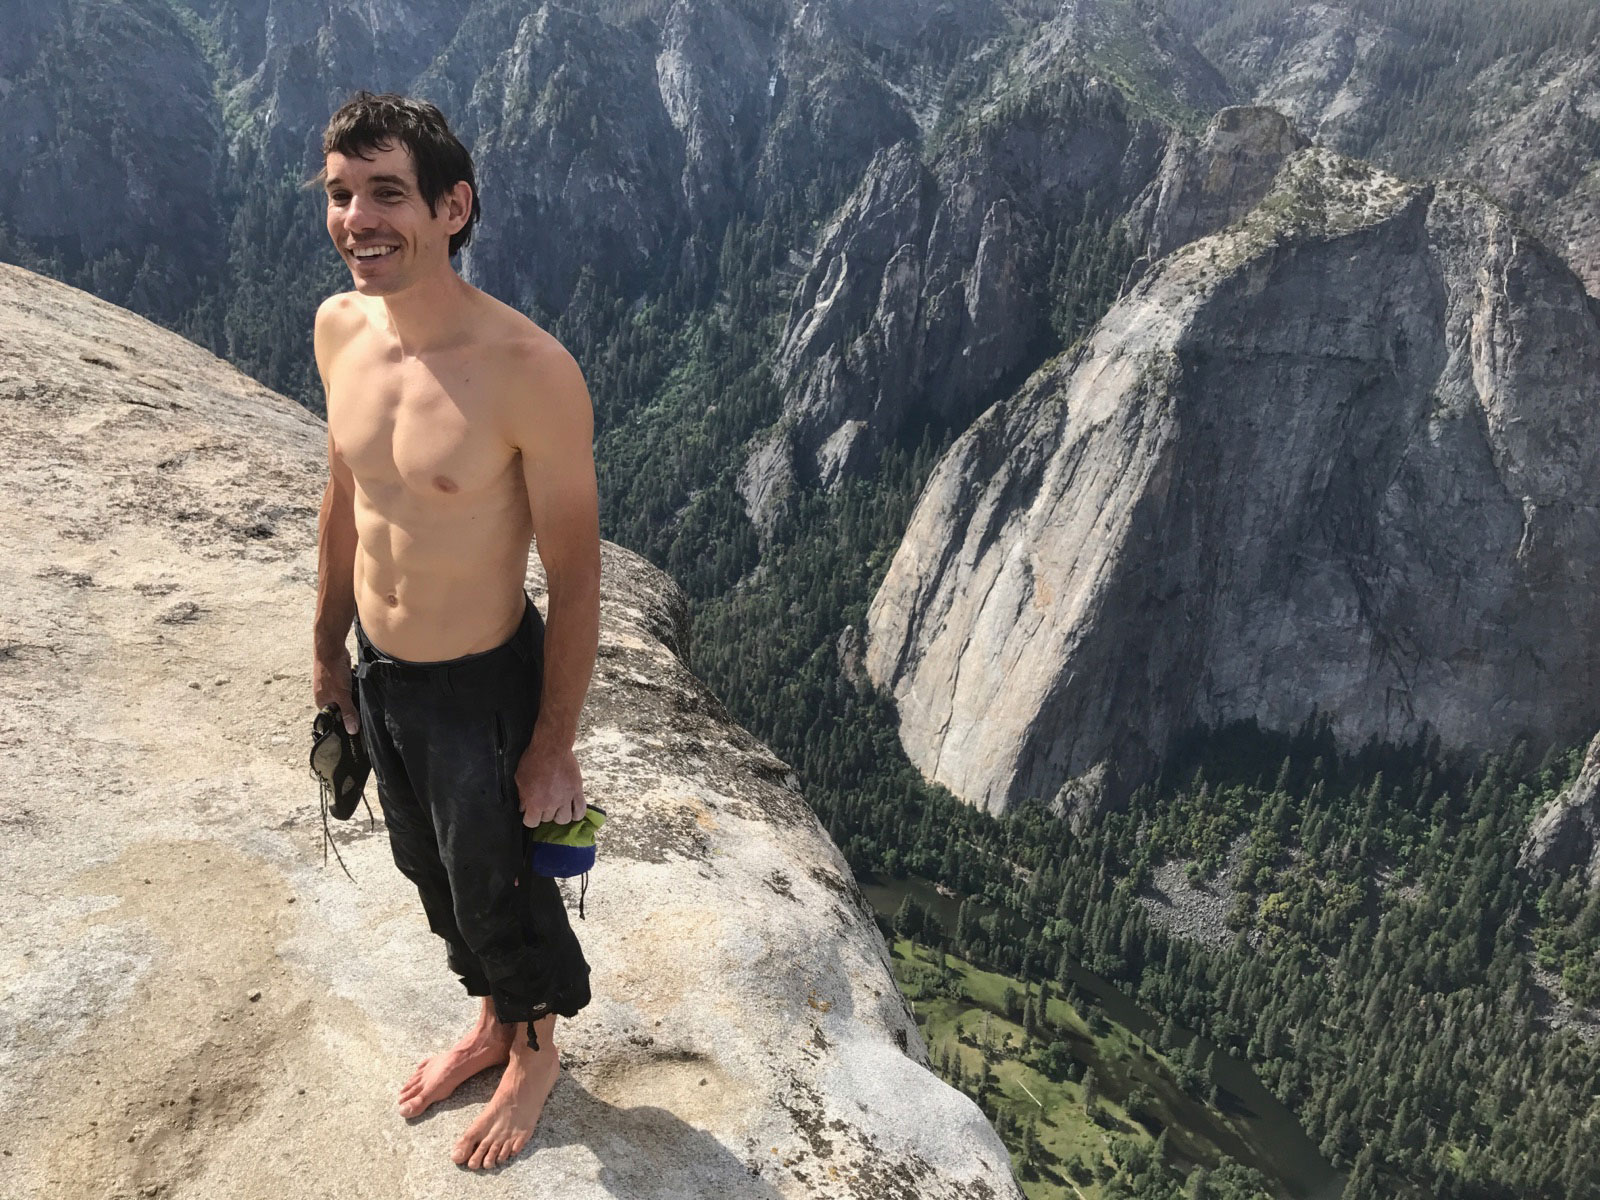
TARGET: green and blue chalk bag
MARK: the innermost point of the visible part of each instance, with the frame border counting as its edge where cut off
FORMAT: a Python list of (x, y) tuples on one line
[(563, 849)]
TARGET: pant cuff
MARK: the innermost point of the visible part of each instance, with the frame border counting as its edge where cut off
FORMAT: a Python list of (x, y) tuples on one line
[(471, 976)]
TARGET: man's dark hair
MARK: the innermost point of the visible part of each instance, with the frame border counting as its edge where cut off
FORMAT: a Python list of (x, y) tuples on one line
[(371, 121)]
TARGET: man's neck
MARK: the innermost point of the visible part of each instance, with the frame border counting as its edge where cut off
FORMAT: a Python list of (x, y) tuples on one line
[(430, 314)]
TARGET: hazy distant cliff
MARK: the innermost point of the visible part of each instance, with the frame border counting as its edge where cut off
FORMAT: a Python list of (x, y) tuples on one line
[(1518, 112), (1343, 456)]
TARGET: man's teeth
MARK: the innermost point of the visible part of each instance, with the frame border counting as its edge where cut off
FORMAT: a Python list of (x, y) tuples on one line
[(372, 251)]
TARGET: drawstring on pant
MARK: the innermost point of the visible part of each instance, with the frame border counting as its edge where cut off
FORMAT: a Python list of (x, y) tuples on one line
[(583, 886), (543, 1010)]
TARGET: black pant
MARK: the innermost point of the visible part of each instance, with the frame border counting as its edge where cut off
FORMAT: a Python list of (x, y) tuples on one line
[(445, 738)]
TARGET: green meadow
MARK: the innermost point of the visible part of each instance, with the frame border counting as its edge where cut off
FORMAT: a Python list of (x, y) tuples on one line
[(1088, 1109)]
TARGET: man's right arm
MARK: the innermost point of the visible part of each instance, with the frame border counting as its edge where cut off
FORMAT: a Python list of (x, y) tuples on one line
[(336, 557)]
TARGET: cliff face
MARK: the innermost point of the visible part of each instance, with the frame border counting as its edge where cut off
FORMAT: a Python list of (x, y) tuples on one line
[(927, 287), (568, 121), (196, 1006), (1534, 148), (1341, 456)]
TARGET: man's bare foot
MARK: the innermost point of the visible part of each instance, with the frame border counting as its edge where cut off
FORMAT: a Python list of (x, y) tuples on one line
[(506, 1122), (487, 1044)]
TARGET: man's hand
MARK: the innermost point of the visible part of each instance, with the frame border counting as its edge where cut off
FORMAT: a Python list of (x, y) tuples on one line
[(549, 785), (331, 680)]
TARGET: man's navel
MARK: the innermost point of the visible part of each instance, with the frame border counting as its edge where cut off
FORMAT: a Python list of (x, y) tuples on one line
[(446, 484), (391, 599)]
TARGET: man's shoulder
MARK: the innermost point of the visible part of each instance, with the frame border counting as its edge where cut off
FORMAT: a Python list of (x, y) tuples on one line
[(339, 318), (521, 340), (341, 306), (540, 388), (527, 353)]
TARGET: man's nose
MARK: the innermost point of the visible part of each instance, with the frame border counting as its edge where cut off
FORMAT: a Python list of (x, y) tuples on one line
[(359, 214)]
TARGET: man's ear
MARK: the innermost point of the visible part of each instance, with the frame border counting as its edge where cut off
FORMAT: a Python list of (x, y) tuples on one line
[(458, 205)]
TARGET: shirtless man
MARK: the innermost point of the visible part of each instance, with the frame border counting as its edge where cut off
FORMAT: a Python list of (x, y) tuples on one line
[(458, 430)]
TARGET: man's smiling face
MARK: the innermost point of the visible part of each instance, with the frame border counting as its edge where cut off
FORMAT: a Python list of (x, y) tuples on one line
[(380, 223)]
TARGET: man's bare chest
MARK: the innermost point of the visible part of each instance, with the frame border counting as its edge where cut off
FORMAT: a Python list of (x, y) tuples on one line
[(430, 430)]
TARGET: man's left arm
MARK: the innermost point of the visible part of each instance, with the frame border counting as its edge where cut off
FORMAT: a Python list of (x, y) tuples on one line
[(554, 430)]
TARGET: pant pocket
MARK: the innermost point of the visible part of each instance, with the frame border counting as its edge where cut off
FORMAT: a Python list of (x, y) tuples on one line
[(505, 763)]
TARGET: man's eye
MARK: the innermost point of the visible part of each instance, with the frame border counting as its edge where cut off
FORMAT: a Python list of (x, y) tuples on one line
[(389, 194)]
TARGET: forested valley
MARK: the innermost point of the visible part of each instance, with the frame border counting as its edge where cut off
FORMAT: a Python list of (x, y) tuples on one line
[(1382, 979)]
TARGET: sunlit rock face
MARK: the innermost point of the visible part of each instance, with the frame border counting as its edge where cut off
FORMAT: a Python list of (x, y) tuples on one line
[(196, 1004), (1340, 457)]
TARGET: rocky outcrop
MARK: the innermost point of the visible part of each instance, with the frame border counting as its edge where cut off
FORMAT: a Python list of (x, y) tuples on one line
[(1566, 835), (195, 1005), (1209, 182), (1341, 457)]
